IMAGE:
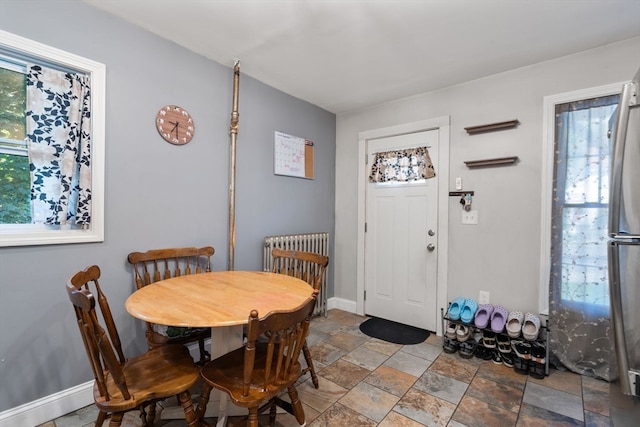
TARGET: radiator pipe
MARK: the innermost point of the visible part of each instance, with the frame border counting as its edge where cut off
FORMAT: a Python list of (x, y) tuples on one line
[(233, 133)]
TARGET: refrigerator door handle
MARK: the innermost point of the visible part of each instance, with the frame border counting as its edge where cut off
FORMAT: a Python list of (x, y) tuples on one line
[(628, 99), (615, 302)]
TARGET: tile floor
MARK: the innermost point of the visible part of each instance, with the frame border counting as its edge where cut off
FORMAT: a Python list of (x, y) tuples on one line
[(368, 382)]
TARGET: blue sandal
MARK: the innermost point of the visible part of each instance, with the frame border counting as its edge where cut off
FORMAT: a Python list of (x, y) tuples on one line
[(468, 310), (456, 308)]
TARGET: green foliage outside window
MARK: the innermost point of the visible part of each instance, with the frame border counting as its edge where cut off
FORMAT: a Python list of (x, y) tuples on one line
[(15, 181)]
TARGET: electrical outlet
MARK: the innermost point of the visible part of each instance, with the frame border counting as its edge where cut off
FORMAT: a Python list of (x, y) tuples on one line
[(470, 217), (484, 297)]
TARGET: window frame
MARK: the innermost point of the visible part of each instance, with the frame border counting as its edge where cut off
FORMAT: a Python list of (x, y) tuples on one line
[(548, 144), (40, 234)]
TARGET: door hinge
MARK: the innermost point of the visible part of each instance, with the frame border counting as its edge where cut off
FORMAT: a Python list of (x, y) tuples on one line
[(365, 295), (366, 159), (365, 227)]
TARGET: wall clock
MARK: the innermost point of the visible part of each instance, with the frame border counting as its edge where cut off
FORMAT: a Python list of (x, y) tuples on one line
[(175, 125)]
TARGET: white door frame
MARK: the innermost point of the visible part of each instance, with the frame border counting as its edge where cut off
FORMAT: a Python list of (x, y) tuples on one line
[(442, 124)]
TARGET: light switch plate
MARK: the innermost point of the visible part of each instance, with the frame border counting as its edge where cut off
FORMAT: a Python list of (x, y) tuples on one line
[(458, 183)]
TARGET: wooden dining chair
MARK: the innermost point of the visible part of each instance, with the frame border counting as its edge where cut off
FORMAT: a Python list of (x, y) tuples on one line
[(125, 384), (160, 264), (256, 374), (309, 267)]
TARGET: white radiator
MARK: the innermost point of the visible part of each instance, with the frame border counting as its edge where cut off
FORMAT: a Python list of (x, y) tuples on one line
[(311, 242)]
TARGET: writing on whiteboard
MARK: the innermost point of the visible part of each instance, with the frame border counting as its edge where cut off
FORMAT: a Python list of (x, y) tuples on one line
[(290, 155)]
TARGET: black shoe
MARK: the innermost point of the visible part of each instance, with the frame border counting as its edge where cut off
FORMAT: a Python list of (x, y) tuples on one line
[(507, 359), (450, 346), (495, 357), (521, 365)]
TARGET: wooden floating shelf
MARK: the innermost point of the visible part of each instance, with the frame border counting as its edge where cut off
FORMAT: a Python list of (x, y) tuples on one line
[(501, 161), (472, 130)]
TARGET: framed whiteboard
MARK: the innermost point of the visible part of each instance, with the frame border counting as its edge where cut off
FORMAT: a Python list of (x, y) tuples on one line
[(293, 156)]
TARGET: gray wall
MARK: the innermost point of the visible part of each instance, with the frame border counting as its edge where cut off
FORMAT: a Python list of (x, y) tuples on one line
[(502, 253), (157, 194)]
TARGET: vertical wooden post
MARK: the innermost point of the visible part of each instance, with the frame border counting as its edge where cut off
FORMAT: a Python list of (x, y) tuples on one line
[(233, 132)]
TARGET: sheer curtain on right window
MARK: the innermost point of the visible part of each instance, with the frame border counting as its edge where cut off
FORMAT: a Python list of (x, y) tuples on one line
[(581, 334)]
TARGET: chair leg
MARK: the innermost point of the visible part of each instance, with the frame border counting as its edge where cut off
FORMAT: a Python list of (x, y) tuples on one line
[(204, 354), (187, 405), (272, 414), (298, 411), (204, 399), (116, 419), (102, 416), (310, 367)]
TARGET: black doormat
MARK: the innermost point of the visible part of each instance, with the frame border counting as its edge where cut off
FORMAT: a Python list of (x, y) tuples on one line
[(394, 332)]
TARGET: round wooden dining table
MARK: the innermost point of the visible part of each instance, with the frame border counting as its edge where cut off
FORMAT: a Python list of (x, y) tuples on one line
[(221, 300)]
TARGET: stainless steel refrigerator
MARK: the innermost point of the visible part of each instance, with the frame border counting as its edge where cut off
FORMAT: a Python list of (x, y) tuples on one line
[(624, 232)]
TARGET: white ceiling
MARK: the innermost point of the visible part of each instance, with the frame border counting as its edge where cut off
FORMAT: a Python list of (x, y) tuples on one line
[(348, 54)]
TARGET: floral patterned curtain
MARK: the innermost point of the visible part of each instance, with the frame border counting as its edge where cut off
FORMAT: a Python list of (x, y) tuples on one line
[(412, 164), (581, 333), (59, 136)]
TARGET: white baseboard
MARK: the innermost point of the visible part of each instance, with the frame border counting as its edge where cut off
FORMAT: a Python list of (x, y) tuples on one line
[(49, 407), (341, 304)]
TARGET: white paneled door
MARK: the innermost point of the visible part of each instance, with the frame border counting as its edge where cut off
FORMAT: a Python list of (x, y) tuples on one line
[(401, 240)]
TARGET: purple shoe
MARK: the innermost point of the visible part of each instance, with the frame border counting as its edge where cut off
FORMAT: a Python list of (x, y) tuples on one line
[(499, 318), (483, 315)]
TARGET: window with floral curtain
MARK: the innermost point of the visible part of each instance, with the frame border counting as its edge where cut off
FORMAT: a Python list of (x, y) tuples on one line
[(412, 164), (59, 146), (578, 287)]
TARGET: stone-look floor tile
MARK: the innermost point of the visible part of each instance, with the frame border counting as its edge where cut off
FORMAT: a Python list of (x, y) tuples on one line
[(394, 419), (326, 325), (454, 423), (496, 393), (435, 340), (554, 400), (561, 380), (316, 337), (445, 388), (533, 416), (405, 362), (81, 417), (391, 380), (454, 367), (424, 408), (326, 353), (502, 374), (366, 358), (345, 341), (383, 347), (597, 420), (320, 399), (423, 350), (369, 401), (344, 373), (596, 401), (427, 401), (594, 383), (340, 415), (345, 318), (477, 413)]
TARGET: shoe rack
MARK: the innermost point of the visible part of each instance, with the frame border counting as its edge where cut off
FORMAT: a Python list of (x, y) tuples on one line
[(543, 338)]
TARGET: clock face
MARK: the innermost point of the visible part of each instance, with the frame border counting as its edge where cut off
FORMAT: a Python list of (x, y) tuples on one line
[(175, 124)]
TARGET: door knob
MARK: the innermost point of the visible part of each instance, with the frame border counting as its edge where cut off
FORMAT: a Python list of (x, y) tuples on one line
[(431, 247)]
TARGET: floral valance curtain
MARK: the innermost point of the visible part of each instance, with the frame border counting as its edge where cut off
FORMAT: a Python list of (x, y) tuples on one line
[(581, 331), (412, 164), (59, 137)]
